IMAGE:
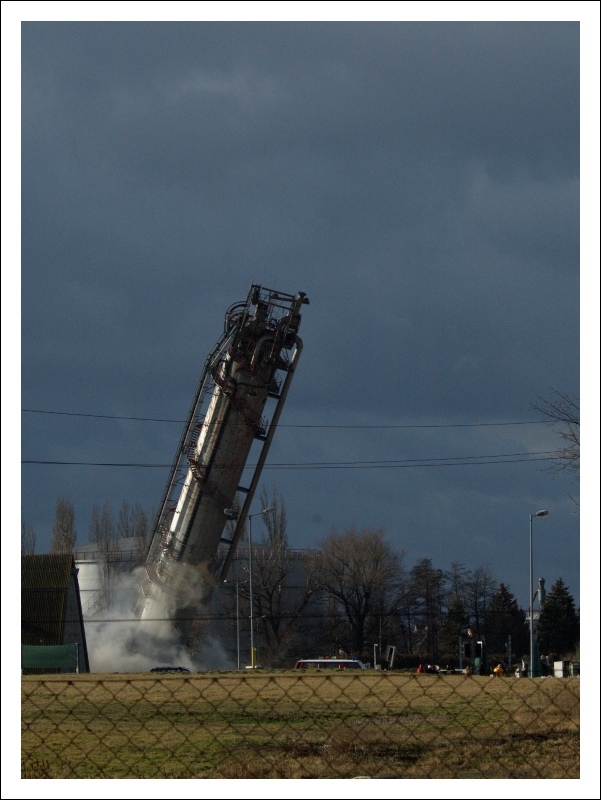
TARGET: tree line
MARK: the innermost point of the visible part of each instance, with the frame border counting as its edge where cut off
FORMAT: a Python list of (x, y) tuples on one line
[(105, 529), (351, 592), (354, 591)]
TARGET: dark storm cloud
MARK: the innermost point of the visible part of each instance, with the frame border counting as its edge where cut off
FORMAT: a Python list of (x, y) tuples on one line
[(418, 180), (180, 101)]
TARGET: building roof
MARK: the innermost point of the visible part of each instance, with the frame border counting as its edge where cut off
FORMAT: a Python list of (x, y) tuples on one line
[(47, 571)]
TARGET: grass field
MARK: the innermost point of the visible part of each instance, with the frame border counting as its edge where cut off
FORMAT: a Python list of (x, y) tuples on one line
[(289, 725)]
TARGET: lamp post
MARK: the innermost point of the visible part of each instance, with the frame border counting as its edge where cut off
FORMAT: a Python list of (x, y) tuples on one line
[(237, 585), (237, 623), (250, 582), (531, 607)]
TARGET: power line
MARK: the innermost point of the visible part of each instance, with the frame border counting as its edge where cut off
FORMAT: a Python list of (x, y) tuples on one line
[(448, 461), (100, 416), (182, 421)]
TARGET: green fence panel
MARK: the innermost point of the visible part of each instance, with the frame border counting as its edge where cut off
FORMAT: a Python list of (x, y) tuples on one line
[(58, 656)]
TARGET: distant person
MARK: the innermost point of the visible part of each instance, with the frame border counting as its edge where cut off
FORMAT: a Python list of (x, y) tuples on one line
[(420, 669), (467, 671), (498, 671)]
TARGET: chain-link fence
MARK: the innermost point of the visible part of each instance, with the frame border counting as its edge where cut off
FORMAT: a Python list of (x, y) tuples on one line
[(289, 725)]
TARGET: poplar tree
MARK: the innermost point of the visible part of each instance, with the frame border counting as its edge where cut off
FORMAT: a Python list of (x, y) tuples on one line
[(63, 530), (285, 586), (103, 534), (28, 540)]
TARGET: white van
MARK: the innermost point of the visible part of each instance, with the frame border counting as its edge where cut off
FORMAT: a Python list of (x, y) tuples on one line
[(329, 663)]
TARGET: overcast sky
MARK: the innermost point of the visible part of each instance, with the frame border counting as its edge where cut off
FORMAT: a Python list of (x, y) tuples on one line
[(419, 181)]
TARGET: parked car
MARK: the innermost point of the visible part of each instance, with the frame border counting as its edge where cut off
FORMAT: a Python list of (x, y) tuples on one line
[(170, 669), (329, 663)]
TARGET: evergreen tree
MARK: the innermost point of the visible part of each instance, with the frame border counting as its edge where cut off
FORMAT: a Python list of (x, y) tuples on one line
[(505, 618), (452, 628), (558, 627)]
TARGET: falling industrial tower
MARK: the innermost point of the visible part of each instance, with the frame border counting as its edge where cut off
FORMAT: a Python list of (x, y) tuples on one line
[(253, 361)]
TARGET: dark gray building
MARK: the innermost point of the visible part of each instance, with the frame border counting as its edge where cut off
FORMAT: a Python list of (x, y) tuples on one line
[(51, 607)]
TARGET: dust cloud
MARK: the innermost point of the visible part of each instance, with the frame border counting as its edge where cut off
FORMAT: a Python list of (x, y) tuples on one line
[(118, 641)]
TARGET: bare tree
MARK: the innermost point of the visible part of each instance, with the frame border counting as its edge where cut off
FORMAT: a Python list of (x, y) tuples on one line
[(103, 529), (125, 521), (103, 533), (361, 572), (63, 530), (480, 588), (456, 580), (284, 585), (141, 527), (428, 589), (563, 413), (275, 533), (408, 616), (27, 540), (133, 523)]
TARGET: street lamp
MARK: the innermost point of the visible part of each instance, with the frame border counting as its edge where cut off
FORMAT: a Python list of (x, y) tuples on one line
[(250, 581), (237, 622), (531, 608)]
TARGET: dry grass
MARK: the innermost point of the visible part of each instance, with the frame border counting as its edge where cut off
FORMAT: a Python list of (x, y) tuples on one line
[(289, 725)]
